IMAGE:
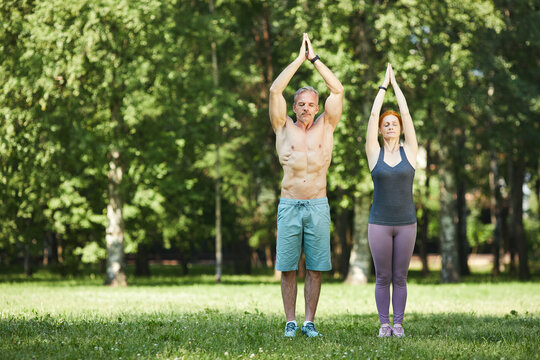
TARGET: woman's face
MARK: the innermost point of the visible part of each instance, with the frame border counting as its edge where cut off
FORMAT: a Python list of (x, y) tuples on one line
[(390, 127)]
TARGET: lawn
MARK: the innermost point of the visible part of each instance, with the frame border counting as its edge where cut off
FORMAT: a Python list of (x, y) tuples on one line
[(193, 318)]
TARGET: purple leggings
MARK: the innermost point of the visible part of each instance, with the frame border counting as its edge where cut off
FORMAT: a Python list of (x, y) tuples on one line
[(391, 248)]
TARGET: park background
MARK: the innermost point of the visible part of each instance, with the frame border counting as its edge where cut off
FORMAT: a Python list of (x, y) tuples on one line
[(114, 113), (135, 148)]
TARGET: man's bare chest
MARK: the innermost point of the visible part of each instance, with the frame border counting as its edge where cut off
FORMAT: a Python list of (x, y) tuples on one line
[(299, 140)]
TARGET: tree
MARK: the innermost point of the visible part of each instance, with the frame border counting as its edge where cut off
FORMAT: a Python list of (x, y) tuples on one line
[(109, 74), (430, 42)]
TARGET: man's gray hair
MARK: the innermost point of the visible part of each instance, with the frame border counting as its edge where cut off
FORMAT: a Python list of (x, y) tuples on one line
[(304, 89)]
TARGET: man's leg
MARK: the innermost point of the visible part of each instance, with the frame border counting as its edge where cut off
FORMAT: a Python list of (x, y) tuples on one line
[(317, 250), (312, 290), (288, 249), (289, 289)]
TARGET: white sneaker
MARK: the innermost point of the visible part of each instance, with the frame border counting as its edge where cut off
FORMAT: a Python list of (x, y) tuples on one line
[(385, 331), (397, 331)]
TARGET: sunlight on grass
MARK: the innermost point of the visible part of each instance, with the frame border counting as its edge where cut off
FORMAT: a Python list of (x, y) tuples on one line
[(243, 318)]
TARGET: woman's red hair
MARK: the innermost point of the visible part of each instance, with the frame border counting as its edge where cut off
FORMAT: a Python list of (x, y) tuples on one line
[(391, 112)]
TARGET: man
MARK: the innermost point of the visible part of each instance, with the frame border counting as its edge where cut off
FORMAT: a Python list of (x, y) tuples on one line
[(304, 148)]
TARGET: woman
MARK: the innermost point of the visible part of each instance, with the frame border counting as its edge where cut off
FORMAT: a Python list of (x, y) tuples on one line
[(392, 220)]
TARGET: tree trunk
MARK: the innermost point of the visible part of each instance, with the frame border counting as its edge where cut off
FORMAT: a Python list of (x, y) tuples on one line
[(422, 244), (59, 248), (496, 212), (266, 27), (538, 191), (27, 260), (264, 63), (183, 262), (496, 203), (46, 249), (115, 229), (142, 264), (342, 240), (242, 256), (509, 246), (461, 203), (447, 225), (269, 259), (463, 242), (50, 249), (219, 241), (215, 77), (517, 231), (360, 260), (277, 274)]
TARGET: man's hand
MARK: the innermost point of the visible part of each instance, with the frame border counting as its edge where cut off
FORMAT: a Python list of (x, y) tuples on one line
[(310, 53), (334, 103), (278, 106), (303, 49)]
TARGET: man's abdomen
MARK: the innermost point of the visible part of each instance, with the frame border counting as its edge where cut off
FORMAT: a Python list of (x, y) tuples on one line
[(305, 182)]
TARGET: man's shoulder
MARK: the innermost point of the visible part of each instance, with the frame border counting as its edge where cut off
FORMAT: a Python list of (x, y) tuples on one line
[(323, 122)]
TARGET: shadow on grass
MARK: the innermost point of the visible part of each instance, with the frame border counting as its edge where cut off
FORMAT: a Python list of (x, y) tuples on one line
[(163, 275), (434, 277), (212, 334)]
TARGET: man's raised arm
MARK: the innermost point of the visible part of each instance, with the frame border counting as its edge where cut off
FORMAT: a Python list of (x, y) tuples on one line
[(334, 104), (278, 106)]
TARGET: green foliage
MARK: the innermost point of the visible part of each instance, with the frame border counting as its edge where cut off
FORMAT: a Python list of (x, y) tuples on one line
[(91, 253), (478, 233), (81, 78)]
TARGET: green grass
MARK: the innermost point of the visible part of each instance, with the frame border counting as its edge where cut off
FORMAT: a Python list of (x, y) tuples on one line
[(192, 318)]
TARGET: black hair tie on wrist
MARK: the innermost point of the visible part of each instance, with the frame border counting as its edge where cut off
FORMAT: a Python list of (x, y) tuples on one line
[(382, 87), (315, 59)]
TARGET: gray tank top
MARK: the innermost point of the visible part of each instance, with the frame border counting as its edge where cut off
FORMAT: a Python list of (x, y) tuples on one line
[(392, 196)]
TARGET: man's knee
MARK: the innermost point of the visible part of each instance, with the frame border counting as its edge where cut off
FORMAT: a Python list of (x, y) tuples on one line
[(314, 274), (288, 275)]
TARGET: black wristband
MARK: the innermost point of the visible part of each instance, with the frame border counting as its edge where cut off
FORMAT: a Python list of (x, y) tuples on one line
[(382, 87), (315, 59)]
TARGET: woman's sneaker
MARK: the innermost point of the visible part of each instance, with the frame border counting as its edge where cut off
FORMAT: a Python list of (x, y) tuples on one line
[(397, 331), (290, 329), (385, 331)]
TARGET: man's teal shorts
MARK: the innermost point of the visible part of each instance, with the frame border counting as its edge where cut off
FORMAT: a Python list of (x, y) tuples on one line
[(307, 220)]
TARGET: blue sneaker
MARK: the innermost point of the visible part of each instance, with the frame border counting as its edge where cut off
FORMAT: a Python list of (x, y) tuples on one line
[(309, 330), (291, 329)]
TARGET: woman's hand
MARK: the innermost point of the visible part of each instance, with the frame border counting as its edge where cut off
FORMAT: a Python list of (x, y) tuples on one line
[(392, 76), (387, 76)]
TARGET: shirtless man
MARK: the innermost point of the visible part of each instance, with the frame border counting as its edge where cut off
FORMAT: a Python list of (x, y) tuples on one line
[(304, 148)]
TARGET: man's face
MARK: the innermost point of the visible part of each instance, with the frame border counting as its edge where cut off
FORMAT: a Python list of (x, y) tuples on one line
[(306, 106)]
